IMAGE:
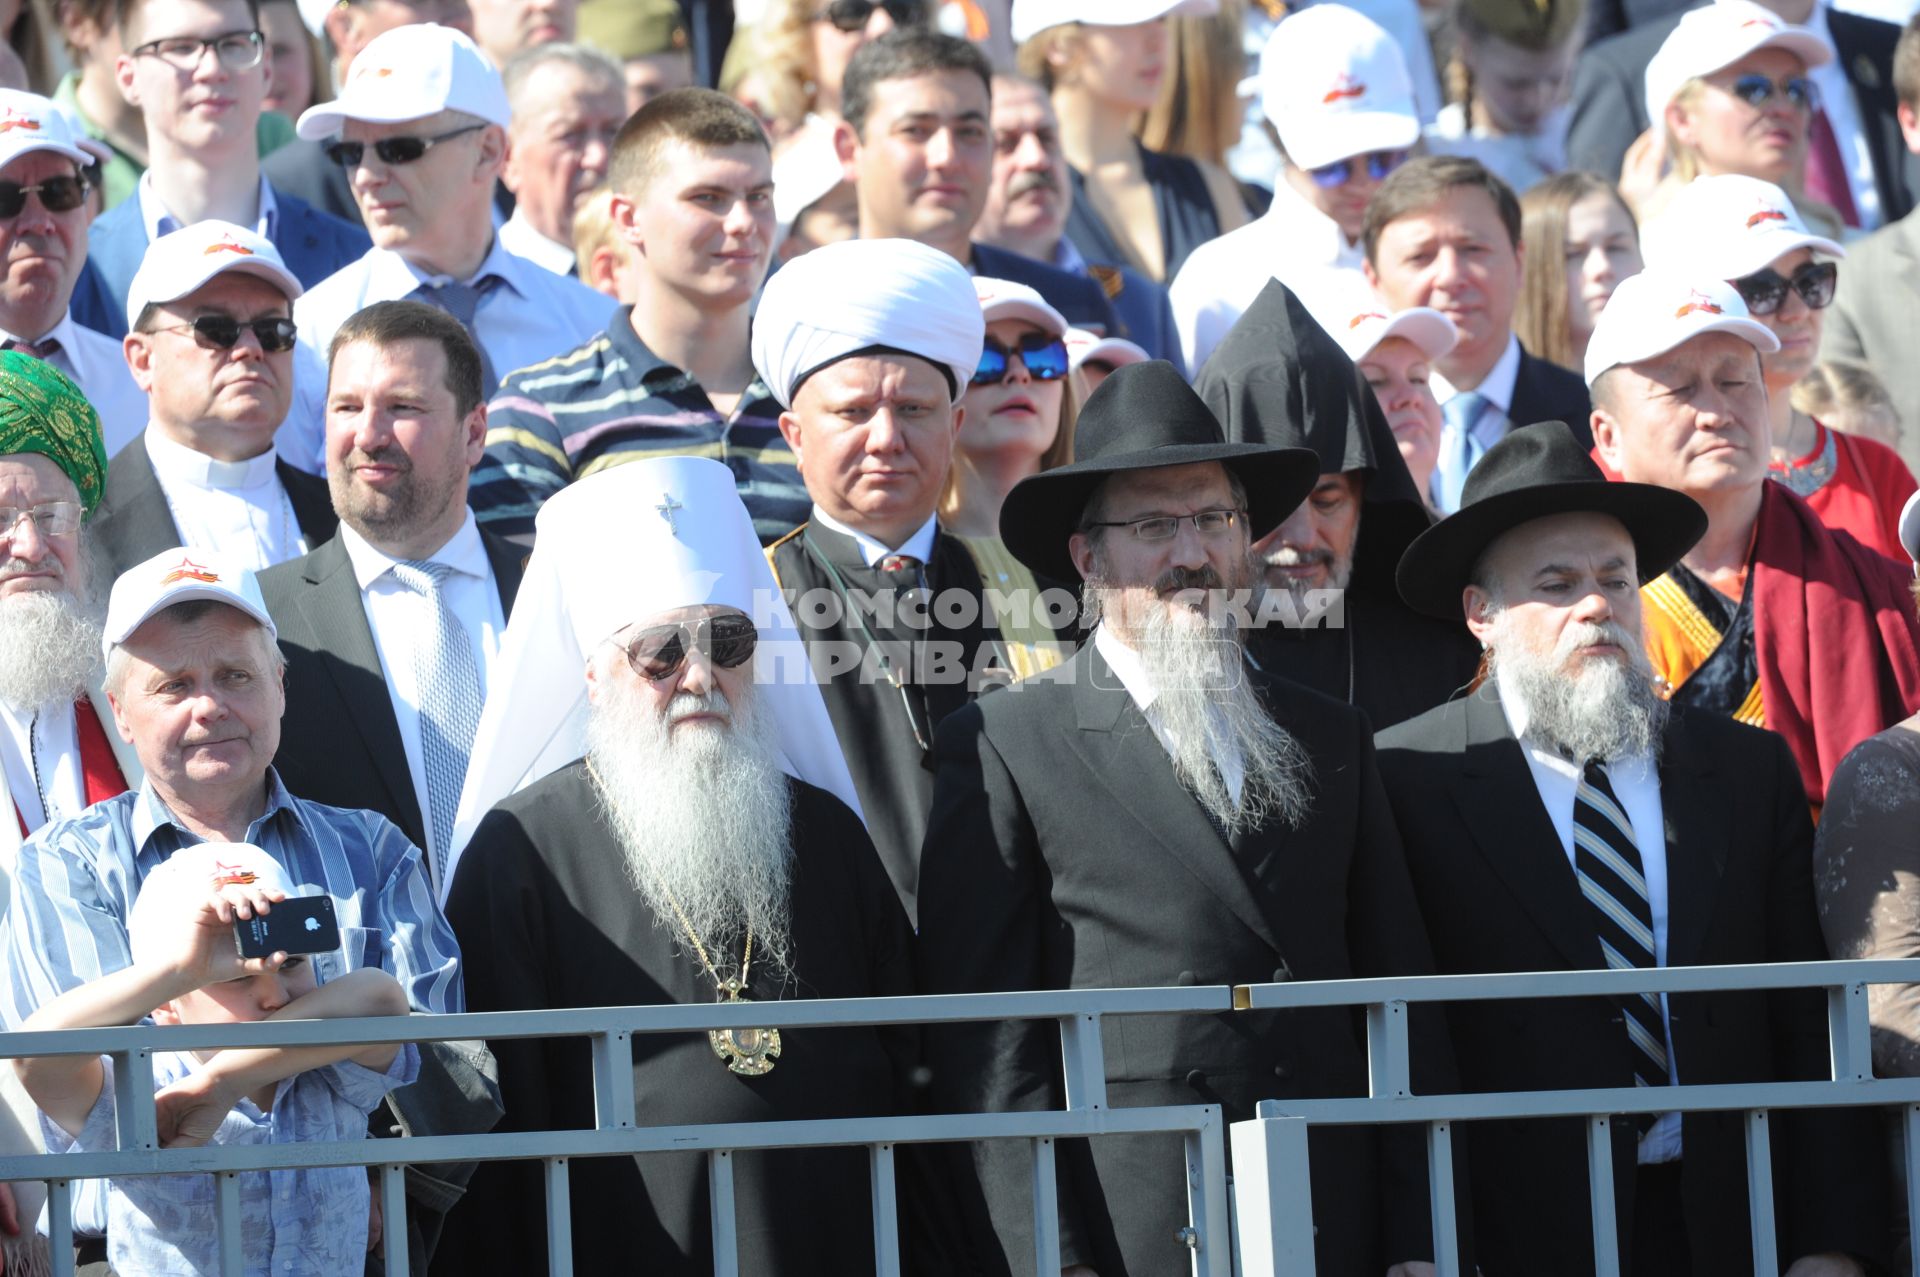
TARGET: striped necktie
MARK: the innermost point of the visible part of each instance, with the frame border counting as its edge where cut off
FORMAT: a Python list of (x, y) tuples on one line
[(447, 692), (1607, 862)]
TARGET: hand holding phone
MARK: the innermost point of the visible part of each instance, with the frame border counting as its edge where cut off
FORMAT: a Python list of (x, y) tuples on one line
[(298, 924)]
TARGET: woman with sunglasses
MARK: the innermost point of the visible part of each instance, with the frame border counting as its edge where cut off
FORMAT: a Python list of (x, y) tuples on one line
[(798, 56), (1748, 233)]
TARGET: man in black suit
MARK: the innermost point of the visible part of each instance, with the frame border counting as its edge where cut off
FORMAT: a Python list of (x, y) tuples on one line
[(1159, 811), (1565, 817), (1444, 232), (917, 143)]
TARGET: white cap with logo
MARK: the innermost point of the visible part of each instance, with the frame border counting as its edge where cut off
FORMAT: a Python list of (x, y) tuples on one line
[(1728, 227), (179, 576), (1004, 299), (181, 262), (1655, 311), (1718, 35), (29, 122), (1335, 85), (409, 73), (1031, 17)]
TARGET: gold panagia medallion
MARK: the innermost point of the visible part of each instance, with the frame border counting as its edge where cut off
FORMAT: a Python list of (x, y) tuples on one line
[(748, 1052)]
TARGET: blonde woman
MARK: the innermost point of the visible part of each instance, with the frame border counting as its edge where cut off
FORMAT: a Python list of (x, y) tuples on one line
[(1579, 240), (798, 54)]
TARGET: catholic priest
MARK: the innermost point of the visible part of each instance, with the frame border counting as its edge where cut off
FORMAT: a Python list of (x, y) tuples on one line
[(868, 345)]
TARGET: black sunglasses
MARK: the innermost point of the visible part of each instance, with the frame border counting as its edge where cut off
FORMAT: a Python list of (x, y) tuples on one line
[(1757, 90), (221, 332), (853, 15), (1764, 291), (59, 194), (1044, 356), (391, 150), (659, 651)]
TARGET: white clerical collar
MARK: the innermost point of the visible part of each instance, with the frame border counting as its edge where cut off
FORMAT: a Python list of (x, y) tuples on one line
[(1520, 717), (1496, 387), (919, 545), (177, 463), (464, 552), (1126, 665), (519, 235)]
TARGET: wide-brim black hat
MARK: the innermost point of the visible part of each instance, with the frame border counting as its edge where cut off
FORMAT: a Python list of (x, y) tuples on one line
[(1143, 417), (1534, 472)]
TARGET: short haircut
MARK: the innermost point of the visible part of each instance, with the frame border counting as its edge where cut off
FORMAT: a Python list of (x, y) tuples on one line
[(905, 54), (1421, 183), (124, 11), (589, 61), (697, 117), (186, 613), (1906, 65), (385, 324)]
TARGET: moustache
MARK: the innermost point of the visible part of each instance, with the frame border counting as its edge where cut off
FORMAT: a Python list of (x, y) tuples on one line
[(1585, 634), (1021, 183), (391, 455), (47, 564), (1174, 580), (686, 705), (1287, 556)]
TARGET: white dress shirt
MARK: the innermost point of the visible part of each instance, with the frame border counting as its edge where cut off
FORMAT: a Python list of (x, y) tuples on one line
[(236, 507), (1636, 783), (1495, 420), (517, 235), (160, 221), (393, 614), (51, 738), (1293, 242), (96, 363), (1132, 673), (919, 545), (1834, 80)]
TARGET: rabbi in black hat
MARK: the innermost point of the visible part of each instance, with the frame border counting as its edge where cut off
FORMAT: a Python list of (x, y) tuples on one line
[(1159, 811), (1565, 817)]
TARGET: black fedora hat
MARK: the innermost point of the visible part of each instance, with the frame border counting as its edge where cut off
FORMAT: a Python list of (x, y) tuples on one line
[(1534, 472), (1143, 417)]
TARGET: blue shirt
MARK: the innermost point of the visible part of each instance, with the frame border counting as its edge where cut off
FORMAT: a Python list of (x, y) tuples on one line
[(76, 879), (310, 1222)]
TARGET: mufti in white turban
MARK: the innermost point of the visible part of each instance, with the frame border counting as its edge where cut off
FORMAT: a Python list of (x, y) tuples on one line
[(859, 294)]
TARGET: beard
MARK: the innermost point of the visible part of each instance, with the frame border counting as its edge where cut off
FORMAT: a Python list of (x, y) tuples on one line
[(49, 647), (703, 815), (1600, 710), (410, 504)]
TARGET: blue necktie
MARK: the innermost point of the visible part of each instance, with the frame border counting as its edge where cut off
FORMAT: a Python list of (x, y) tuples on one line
[(447, 690), (1460, 415), (462, 301), (1606, 859)]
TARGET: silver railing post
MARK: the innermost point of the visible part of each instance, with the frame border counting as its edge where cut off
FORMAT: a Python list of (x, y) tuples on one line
[(1446, 1227), (1046, 1210), (133, 1099), (1606, 1227), (59, 1226), (1212, 1236), (726, 1243), (1273, 1196), (1849, 1032), (233, 1259), (886, 1211), (1760, 1191), (1387, 1050), (559, 1217), (1083, 1060), (613, 1102), (393, 1219)]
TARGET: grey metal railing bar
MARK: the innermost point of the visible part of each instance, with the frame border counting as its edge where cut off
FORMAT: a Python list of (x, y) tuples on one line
[(393, 1219), (1446, 1230), (227, 1217), (1046, 1209), (1760, 1191), (60, 1226), (886, 1209), (1601, 1207), (555, 1176), (726, 1249)]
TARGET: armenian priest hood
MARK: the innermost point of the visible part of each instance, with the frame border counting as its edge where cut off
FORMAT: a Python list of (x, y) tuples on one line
[(663, 817), (868, 345), (1280, 379)]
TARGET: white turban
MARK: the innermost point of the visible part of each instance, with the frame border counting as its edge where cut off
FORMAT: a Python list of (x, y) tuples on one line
[(846, 297), (619, 547)]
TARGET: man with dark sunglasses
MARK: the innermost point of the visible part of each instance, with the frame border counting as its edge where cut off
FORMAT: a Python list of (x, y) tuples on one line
[(212, 345)]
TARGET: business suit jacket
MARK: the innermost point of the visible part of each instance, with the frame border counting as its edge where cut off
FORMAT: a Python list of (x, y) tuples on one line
[(340, 743), (1544, 391), (1062, 852), (301, 169), (314, 245), (1499, 894), (1876, 312), (1080, 299), (133, 522)]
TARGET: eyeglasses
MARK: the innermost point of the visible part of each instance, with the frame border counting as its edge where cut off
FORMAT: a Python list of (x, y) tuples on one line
[(236, 50), (853, 15), (50, 519), (221, 332), (1757, 91), (1045, 359), (658, 652), (1765, 291), (1211, 524), (1380, 164), (391, 150), (58, 194)]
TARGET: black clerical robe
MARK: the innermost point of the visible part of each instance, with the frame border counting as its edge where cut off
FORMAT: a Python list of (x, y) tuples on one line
[(548, 918), (1385, 658)]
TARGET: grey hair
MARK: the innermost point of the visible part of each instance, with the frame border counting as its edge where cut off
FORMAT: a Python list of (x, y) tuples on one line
[(185, 613), (590, 61)]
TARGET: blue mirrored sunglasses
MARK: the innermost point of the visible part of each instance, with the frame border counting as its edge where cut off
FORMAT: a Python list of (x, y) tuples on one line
[(1379, 165), (1045, 359)]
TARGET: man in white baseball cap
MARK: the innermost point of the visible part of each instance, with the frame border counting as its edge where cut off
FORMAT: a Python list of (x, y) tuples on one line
[(420, 127), (212, 346), (1337, 94), (1770, 618)]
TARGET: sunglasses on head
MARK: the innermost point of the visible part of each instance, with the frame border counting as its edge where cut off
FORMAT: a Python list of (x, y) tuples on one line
[(58, 194), (1757, 90), (853, 15), (391, 150), (1045, 359), (659, 651), (1765, 291), (222, 332), (1379, 165)]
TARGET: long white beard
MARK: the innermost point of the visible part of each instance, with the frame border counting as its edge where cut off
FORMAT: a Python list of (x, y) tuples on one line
[(704, 817), (49, 648), (1605, 711)]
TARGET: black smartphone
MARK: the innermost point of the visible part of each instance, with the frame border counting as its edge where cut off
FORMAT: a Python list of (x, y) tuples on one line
[(298, 924)]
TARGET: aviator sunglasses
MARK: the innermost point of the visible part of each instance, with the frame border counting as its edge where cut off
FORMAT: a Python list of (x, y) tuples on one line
[(1757, 91), (1764, 291), (391, 150), (1045, 359), (659, 651), (222, 332), (853, 15), (1380, 165), (59, 194)]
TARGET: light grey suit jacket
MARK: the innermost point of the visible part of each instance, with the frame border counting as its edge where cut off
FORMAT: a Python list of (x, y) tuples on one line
[(1876, 312)]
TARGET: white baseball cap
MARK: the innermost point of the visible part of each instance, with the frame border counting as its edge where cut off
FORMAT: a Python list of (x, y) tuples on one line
[(1004, 299), (29, 123), (1719, 35), (314, 14), (1363, 330), (181, 262), (179, 576), (1335, 85), (187, 878), (1728, 227), (409, 73), (1031, 17), (1655, 311), (1084, 347)]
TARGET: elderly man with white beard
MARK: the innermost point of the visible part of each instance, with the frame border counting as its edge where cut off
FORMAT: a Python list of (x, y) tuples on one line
[(1565, 817), (1159, 811), (687, 833)]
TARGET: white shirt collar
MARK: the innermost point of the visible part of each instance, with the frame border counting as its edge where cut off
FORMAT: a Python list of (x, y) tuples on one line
[(177, 463), (61, 332), (519, 236), (464, 552), (1496, 387), (391, 275), (1310, 233), (1126, 665), (155, 217), (919, 545), (1520, 717)]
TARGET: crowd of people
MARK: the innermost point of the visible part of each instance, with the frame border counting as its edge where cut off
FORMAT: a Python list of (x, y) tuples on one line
[(989, 496)]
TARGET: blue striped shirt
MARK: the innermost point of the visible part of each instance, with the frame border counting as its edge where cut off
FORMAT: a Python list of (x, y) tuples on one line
[(74, 886), (612, 401)]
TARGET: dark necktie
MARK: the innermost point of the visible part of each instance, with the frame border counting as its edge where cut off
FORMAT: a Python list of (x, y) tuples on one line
[(38, 349), (462, 301), (1612, 878), (1827, 171)]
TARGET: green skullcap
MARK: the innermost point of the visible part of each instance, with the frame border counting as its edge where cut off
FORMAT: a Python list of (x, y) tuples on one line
[(41, 411)]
